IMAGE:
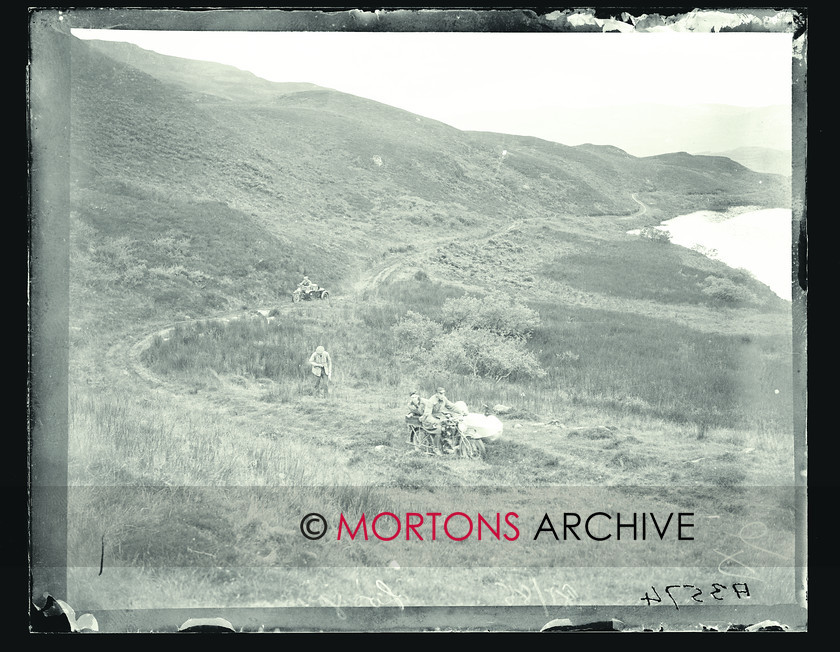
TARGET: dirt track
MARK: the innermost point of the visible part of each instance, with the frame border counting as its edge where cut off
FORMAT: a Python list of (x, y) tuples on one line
[(122, 361), (642, 207), (125, 356), (122, 365)]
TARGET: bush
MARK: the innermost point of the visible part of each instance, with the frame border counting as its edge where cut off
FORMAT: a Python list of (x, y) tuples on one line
[(480, 352), (114, 260), (171, 247), (657, 235), (480, 337), (417, 333), (115, 254), (498, 314), (725, 290)]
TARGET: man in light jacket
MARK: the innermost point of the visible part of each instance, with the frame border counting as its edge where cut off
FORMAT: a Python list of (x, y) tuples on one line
[(321, 363)]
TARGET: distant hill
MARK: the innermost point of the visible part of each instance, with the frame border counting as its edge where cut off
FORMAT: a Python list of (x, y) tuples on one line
[(646, 129), (760, 159)]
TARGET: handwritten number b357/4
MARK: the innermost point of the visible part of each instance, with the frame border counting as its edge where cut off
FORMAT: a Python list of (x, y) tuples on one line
[(693, 593)]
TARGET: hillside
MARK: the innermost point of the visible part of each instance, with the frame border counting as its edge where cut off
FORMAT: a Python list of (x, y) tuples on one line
[(201, 77), (355, 176), (498, 266)]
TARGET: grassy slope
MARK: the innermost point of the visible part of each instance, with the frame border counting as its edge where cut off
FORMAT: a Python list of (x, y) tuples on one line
[(196, 204)]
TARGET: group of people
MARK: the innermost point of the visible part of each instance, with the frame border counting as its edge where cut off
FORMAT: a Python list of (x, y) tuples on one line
[(432, 412)]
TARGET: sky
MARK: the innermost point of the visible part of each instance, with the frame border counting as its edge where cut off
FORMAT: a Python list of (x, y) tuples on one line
[(454, 77)]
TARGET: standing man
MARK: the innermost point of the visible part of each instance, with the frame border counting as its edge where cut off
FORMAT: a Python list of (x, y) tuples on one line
[(322, 368)]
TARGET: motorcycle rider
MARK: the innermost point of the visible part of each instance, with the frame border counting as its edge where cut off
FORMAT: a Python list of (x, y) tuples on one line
[(306, 285), (416, 406), (416, 409), (437, 408)]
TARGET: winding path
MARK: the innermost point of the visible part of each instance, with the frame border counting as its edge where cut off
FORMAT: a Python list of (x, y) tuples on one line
[(125, 355), (379, 275), (642, 206)]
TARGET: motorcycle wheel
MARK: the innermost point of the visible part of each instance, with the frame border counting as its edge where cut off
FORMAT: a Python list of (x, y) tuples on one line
[(421, 440), (472, 448), (482, 449), (295, 297), (447, 446)]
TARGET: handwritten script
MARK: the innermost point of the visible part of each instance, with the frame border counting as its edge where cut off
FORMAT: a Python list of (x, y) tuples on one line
[(686, 592), (385, 596), (526, 593)]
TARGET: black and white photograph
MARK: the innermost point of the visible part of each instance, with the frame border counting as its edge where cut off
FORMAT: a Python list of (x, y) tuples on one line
[(392, 321)]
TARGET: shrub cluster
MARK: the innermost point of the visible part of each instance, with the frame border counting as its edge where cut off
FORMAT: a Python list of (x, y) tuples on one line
[(725, 290), (657, 235), (497, 314), (484, 338), (417, 333)]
